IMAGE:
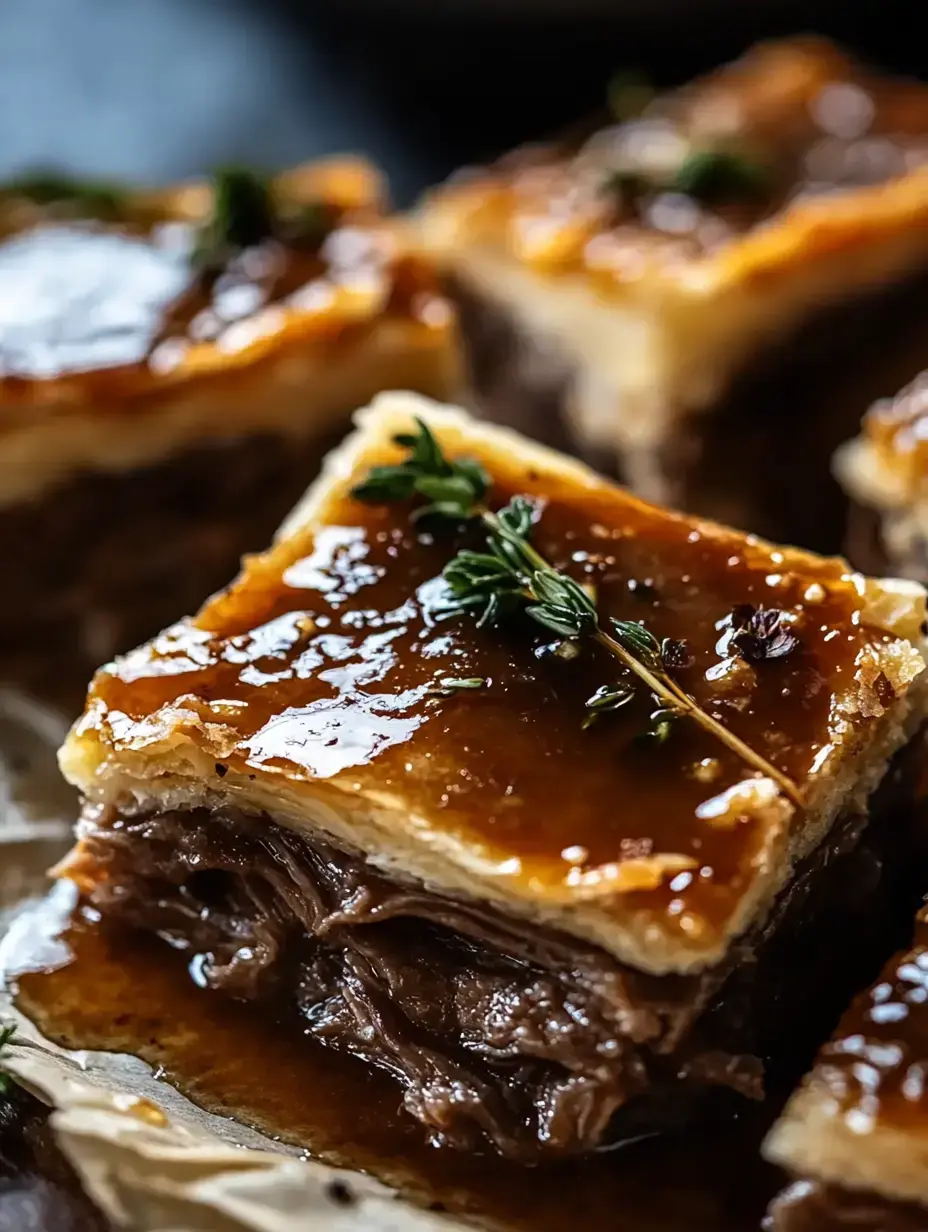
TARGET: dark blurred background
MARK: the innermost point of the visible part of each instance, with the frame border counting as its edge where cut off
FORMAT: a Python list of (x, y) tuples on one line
[(161, 89)]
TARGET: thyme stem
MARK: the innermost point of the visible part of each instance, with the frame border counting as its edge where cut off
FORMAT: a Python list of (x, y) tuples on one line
[(669, 691), (510, 573), (661, 683)]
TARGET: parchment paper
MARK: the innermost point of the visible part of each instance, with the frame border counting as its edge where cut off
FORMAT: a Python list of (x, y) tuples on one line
[(149, 1158)]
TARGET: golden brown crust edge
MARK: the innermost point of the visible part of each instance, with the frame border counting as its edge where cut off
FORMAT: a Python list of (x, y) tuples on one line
[(812, 1139)]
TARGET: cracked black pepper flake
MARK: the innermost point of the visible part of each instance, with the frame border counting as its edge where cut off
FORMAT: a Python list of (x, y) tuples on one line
[(221, 770), (759, 633)]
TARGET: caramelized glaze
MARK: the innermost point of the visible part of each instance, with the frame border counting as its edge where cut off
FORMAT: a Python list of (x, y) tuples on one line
[(127, 297), (321, 659), (78, 297), (811, 120), (876, 1065), (107, 989)]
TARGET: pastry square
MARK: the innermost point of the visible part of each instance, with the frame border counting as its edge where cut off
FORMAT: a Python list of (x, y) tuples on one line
[(173, 367), (856, 1132), (707, 296), (885, 473), (490, 855)]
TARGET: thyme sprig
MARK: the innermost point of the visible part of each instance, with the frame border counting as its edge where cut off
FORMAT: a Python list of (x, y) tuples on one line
[(452, 489), (719, 176), (511, 575), (7, 1036), (713, 176), (245, 212)]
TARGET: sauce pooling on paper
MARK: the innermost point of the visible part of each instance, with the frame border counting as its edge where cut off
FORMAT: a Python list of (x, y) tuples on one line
[(99, 989)]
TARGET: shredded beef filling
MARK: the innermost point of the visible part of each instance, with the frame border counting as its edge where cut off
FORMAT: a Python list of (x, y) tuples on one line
[(498, 1032)]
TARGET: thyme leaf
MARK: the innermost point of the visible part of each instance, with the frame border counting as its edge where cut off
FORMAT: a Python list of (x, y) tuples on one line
[(711, 175), (605, 700), (662, 723), (451, 489), (639, 641), (245, 213), (718, 176)]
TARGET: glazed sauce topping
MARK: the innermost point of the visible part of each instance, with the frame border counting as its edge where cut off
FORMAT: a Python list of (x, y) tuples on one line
[(80, 296), (876, 1066), (322, 661), (699, 168), (897, 429)]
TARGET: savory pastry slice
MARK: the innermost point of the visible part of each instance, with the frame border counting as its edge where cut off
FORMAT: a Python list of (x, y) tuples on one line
[(526, 791), (856, 1132), (711, 291), (173, 365), (885, 472)]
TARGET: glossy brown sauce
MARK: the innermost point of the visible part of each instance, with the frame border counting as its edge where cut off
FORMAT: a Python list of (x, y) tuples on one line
[(78, 297), (876, 1066), (320, 663), (808, 119), (75, 297), (118, 991)]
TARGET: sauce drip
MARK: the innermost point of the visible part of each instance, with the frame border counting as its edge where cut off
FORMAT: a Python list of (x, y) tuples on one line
[(100, 989)]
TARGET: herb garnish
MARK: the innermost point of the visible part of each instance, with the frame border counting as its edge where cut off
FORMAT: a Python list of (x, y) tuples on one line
[(92, 198), (7, 1036), (712, 176), (242, 212), (758, 633), (662, 722), (717, 176), (245, 213), (511, 575), (452, 489), (607, 698)]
